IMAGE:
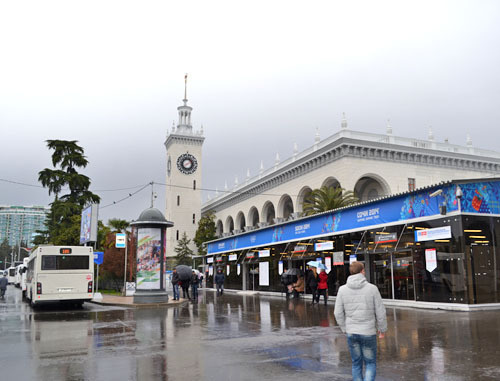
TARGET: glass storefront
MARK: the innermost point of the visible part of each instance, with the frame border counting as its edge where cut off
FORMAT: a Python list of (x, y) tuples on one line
[(463, 268)]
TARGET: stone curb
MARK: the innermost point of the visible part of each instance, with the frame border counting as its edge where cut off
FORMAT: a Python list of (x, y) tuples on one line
[(146, 305)]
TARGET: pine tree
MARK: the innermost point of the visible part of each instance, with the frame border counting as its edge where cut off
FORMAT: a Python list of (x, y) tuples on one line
[(184, 253)]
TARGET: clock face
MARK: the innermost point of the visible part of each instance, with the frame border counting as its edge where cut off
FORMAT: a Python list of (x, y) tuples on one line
[(187, 164)]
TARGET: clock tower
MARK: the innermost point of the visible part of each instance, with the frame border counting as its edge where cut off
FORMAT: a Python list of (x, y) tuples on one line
[(183, 189)]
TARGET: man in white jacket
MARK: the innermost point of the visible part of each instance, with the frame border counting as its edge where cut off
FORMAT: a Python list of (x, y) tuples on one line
[(360, 313)]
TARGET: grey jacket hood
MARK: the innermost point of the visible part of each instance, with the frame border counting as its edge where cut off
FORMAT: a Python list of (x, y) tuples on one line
[(356, 281)]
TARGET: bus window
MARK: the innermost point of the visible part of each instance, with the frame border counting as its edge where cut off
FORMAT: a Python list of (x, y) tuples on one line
[(66, 262)]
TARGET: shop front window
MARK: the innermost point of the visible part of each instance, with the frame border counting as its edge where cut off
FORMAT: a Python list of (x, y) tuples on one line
[(440, 265)]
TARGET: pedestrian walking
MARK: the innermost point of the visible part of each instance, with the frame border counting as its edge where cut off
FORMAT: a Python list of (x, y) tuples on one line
[(312, 283), (4, 281), (185, 288), (194, 285), (322, 286), (298, 286), (175, 284), (360, 313), (219, 281)]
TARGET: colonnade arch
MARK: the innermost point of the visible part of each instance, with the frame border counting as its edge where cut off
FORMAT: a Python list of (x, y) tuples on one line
[(253, 217), (229, 225), (240, 221), (268, 213), (219, 228), (285, 206), (330, 182), (371, 186), (303, 193)]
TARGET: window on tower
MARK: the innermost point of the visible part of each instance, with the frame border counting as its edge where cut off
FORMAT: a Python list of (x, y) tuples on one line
[(177, 235), (194, 184), (194, 218), (178, 200)]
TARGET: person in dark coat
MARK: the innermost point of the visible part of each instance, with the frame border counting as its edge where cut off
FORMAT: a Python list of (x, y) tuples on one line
[(185, 288), (219, 281), (312, 282), (4, 281), (175, 284), (194, 285)]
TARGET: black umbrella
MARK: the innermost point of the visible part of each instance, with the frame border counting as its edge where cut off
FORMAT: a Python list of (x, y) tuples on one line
[(185, 272), (293, 271)]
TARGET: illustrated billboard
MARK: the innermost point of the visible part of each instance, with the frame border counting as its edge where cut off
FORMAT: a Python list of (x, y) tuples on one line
[(88, 226), (148, 259)]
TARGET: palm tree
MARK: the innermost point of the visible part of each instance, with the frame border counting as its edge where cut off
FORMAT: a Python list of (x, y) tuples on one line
[(328, 198), (117, 225)]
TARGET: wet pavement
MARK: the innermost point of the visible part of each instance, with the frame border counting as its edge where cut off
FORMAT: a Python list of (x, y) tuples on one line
[(235, 337)]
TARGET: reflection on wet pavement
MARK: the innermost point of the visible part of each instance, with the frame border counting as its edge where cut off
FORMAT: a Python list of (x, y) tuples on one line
[(236, 337)]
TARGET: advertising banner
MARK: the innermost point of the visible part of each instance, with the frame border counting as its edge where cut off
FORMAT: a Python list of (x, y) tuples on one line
[(480, 197), (430, 260), (148, 258), (280, 267), (210, 270), (233, 257), (386, 238), (88, 226), (264, 253), (328, 264), (210, 259), (323, 246), (228, 268), (432, 234), (338, 258), (352, 258), (264, 274), (238, 269)]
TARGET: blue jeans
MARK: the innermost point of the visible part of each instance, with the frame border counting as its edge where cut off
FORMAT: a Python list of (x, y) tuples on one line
[(194, 290), (176, 291), (363, 350)]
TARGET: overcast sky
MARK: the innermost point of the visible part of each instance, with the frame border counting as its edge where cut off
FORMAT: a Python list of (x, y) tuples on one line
[(262, 75)]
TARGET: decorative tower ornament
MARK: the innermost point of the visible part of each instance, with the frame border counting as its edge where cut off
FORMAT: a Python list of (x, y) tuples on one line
[(295, 150), (469, 141), (389, 127), (248, 175), (216, 192), (316, 139), (343, 125), (225, 185), (236, 181), (430, 136), (277, 160), (261, 169)]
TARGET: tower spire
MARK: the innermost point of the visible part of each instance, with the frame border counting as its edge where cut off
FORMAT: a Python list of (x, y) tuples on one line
[(185, 88)]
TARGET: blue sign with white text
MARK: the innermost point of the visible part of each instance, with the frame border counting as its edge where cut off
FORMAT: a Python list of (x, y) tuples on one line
[(478, 197), (98, 257)]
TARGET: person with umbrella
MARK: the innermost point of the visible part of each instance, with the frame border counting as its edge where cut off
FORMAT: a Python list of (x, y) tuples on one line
[(312, 280), (219, 281), (185, 278), (175, 284)]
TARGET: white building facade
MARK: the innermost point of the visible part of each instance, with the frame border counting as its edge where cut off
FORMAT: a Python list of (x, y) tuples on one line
[(183, 189), (371, 165)]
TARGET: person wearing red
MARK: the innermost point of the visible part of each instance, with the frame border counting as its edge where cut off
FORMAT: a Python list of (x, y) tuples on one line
[(322, 286)]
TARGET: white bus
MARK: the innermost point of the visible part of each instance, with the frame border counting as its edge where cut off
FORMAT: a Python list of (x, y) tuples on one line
[(11, 274), (60, 273)]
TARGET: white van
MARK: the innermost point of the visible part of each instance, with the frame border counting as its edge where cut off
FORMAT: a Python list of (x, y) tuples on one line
[(18, 276), (11, 274), (60, 273)]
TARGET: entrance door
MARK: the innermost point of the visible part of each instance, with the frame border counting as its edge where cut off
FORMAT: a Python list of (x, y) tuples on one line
[(381, 273), (402, 263), (253, 277), (484, 274)]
